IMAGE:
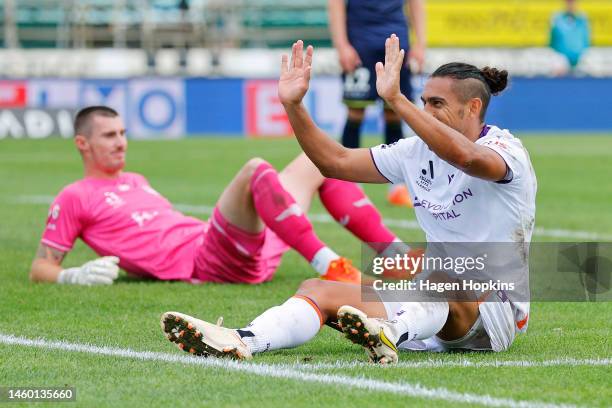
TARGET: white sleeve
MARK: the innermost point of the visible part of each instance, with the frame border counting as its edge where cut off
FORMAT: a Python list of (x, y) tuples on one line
[(390, 159), (511, 150)]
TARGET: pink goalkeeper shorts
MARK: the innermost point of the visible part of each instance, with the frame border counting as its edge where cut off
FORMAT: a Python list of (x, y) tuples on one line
[(232, 255)]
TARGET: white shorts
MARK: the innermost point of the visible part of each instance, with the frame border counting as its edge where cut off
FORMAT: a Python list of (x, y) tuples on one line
[(493, 330)]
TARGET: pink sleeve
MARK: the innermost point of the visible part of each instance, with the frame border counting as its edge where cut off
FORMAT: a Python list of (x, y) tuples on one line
[(64, 221)]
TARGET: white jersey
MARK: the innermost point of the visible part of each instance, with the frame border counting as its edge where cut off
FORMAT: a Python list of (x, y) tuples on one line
[(452, 206)]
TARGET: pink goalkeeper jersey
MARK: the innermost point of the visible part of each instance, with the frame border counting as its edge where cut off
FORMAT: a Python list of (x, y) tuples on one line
[(127, 218)]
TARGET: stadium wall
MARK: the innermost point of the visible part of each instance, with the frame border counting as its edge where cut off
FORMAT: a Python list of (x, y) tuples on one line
[(509, 23), (175, 107)]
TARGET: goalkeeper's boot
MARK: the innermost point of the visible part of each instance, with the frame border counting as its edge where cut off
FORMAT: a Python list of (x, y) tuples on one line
[(374, 335), (201, 338), (342, 270)]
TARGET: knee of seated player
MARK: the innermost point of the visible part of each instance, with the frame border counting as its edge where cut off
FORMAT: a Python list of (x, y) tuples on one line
[(310, 287), (301, 167), (251, 166), (320, 292), (356, 114), (461, 318)]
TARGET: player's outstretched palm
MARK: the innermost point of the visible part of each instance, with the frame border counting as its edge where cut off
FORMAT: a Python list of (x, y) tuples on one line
[(388, 75), (295, 74)]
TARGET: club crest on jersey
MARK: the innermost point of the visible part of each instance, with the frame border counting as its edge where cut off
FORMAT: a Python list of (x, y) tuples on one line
[(426, 177)]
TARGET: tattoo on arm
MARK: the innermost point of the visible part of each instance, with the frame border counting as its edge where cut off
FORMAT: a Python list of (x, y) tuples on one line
[(51, 254)]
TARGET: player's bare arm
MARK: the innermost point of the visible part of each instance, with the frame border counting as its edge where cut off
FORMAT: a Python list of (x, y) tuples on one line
[(332, 159), (446, 142), (47, 267), (47, 264)]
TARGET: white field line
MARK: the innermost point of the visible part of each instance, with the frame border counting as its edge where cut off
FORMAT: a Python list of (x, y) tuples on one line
[(326, 219), (462, 363), (281, 372)]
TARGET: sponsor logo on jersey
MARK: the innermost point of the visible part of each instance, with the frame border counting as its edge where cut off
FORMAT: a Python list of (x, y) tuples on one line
[(444, 211), (141, 217), (113, 199), (426, 177)]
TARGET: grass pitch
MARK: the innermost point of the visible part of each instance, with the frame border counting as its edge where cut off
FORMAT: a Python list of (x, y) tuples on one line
[(574, 194)]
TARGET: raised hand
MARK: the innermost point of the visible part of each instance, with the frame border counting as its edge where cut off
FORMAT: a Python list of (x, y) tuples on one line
[(388, 75), (295, 74)]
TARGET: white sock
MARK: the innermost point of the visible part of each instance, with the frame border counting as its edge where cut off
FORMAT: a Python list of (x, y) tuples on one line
[(397, 247), (320, 262), (418, 320), (289, 325)]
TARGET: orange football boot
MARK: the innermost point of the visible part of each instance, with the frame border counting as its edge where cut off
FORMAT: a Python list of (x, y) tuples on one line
[(342, 270)]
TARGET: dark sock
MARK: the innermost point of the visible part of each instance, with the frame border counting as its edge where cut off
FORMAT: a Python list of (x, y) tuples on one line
[(393, 132), (350, 136)]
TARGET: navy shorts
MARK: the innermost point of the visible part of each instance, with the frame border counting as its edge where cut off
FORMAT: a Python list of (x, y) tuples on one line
[(359, 86)]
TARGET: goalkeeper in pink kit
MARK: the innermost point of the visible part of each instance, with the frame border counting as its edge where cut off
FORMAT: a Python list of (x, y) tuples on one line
[(259, 216)]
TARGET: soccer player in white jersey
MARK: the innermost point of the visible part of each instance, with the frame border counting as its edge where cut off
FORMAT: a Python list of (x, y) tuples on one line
[(455, 153)]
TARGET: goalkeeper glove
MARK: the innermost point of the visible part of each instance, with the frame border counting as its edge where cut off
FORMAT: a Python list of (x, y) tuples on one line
[(101, 271)]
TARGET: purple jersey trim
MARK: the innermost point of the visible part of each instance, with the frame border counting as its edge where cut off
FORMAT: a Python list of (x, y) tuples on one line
[(508, 177), (509, 174), (375, 165), (484, 131)]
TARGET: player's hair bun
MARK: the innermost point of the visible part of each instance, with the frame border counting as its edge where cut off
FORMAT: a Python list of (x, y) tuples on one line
[(496, 79)]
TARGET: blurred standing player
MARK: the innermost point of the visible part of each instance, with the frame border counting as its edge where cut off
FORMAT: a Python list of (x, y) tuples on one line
[(359, 29), (259, 216)]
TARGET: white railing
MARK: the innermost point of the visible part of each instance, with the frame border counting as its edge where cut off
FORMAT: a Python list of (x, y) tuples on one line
[(264, 63)]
